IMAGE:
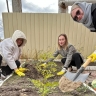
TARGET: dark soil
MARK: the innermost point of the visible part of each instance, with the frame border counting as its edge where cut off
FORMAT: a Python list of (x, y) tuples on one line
[(32, 73), (22, 86)]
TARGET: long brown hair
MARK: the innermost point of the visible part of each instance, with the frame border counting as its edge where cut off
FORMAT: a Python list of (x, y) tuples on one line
[(66, 43)]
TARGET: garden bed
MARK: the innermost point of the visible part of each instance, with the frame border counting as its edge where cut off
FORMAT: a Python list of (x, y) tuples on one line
[(23, 86)]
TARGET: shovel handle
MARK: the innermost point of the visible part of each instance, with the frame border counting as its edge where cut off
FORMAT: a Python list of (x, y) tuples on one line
[(87, 62)]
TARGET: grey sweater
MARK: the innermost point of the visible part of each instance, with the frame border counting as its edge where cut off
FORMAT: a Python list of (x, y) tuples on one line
[(65, 54)]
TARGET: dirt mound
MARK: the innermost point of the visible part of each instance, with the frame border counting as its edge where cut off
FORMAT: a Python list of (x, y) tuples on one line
[(32, 73), (66, 85)]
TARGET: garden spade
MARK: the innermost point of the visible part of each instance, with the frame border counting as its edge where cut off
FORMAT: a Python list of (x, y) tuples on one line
[(78, 76)]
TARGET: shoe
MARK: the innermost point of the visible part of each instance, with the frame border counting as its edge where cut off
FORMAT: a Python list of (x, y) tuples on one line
[(70, 69), (2, 76)]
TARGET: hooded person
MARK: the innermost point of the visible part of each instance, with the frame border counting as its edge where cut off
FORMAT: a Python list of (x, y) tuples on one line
[(10, 51), (85, 13)]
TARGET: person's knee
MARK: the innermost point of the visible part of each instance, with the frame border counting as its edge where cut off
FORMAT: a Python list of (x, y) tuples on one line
[(75, 55), (0, 58), (63, 60), (17, 63)]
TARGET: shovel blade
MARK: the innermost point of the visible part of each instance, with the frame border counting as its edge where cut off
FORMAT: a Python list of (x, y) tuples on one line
[(81, 78)]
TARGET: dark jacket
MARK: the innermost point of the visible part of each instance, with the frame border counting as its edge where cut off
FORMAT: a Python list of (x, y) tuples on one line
[(93, 12)]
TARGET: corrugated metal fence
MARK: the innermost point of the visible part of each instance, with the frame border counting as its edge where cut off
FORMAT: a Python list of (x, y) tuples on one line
[(42, 30)]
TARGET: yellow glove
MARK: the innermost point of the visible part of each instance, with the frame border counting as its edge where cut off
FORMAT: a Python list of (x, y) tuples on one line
[(93, 56), (63, 71), (23, 69), (19, 73), (43, 65)]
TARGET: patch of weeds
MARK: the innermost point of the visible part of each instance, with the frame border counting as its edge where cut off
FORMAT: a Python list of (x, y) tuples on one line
[(82, 89), (45, 86)]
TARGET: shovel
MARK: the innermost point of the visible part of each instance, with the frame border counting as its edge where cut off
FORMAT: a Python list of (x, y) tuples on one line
[(78, 76)]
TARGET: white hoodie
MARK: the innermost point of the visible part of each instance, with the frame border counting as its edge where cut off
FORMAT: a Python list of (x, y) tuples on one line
[(10, 50)]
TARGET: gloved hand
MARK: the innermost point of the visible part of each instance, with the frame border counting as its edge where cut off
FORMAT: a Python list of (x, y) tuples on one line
[(43, 65), (63, 71), (93, 56), (23, 69), (19, 73)]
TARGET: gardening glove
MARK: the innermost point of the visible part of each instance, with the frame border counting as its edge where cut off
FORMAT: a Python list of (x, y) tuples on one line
[(19, 73), (63, 71), (93, 56), (43, 65), (23, 69)]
